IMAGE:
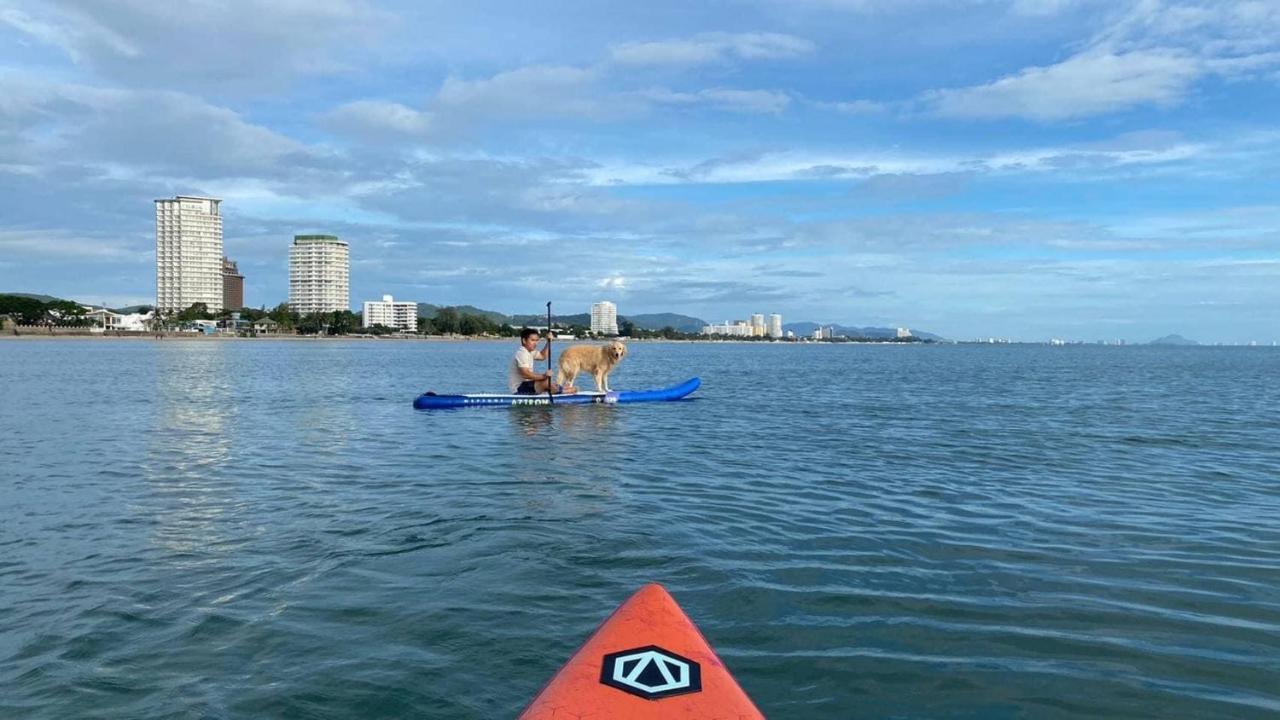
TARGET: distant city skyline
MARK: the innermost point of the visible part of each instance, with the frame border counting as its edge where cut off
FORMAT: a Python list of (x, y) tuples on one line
[(1022, 169)]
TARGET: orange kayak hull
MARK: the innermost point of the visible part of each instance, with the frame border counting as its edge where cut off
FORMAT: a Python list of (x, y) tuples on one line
[(646, 661)]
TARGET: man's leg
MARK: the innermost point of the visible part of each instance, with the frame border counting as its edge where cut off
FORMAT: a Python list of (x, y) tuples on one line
[(542, 385)]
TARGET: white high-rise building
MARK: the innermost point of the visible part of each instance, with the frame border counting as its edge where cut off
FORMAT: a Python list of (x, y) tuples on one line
[(319, 274), (604, 318), (188, 253), (737, 328), (392, 314), (775, 325)]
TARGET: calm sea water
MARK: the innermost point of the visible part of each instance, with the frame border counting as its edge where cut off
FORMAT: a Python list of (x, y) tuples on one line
[(268, 530)]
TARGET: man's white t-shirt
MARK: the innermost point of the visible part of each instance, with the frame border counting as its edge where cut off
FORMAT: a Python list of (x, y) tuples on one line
[(523, 359)]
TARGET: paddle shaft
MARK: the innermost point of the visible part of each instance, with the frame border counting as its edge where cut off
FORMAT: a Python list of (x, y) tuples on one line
[(550, 395)]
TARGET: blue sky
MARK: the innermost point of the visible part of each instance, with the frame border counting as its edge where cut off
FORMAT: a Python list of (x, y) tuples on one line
[(1014, 168)]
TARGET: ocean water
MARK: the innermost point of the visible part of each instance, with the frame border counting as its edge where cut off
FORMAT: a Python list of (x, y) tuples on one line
[(268, 530)]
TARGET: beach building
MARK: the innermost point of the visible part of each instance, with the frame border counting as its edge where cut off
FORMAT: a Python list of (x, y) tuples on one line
[(775, 325), (266, 326), (103, 318), (319, 274), (904, 333), (757, 325), (232, 285), (188, 253), (106, 319), (604, 318), (736, 328), (392, 314)]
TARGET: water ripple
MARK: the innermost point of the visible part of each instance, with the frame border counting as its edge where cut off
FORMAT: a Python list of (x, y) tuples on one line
[(266, 529)]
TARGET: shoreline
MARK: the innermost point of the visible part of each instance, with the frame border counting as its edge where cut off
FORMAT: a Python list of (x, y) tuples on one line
[(197, 337)]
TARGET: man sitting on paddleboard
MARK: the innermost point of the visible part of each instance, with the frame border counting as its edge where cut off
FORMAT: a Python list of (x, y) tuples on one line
[(521, 379)]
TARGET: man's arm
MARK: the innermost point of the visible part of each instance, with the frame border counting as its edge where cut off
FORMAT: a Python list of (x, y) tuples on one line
[(542, 354), (528, 374)]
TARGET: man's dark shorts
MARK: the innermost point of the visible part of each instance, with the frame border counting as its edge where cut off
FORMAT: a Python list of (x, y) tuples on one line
[(526, 388)]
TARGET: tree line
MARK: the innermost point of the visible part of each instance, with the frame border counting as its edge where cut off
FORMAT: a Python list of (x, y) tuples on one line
[(30, 311), (447, 321)]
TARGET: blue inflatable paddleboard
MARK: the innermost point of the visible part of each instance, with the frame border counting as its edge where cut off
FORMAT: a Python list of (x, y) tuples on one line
[(430, 401)]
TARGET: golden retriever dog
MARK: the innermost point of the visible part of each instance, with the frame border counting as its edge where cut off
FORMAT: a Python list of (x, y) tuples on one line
[(598, 360)]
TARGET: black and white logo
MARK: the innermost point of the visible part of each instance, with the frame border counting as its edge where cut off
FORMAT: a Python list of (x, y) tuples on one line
[(651, 673)]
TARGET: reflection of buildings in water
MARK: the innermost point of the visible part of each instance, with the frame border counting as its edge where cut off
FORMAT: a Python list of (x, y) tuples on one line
[(319, 379), (531, 420), (569, 421), (573, 447), (570, 436), (189, 448)]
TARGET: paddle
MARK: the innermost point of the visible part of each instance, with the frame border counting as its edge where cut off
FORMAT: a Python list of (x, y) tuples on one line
[(551, 397)]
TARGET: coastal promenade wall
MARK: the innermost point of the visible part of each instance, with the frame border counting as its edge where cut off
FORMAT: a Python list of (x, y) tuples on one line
[(12, 330)]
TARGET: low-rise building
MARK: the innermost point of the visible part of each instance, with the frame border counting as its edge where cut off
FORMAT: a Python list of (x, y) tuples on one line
[(737, 328), (392, 314), (266, 326)]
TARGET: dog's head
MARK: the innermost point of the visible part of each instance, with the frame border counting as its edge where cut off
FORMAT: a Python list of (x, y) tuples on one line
[(615, 351)]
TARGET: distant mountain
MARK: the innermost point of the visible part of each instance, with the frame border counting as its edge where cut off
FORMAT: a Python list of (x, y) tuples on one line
[(427, 310), (540, 320), (654, 321), (803, 329), (1173, 340), (33, 296), (657, 321)]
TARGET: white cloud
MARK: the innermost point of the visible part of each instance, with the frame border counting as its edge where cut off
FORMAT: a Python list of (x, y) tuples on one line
[(1084, 85), (855, 107), (535, 91), (375, 117), (127, 133), (1129, 150), (65, 33), (757, 101), (712, 48), (60, 244), (751, 101), (235, 42)]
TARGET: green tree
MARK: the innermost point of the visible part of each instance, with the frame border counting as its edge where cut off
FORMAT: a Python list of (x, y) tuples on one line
[(342, 322), (447, 320), (282, 314), (471, 325), (197, 311), (65, 312), (25, 310), (312, 323)]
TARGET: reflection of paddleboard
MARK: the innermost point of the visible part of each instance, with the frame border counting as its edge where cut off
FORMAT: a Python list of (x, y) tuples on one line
[(427, 401), (647, 661)]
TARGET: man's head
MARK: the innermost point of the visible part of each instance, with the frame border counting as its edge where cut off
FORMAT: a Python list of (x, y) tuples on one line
[(529, 338)]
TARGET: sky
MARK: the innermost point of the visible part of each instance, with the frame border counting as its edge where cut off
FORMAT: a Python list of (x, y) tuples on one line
[(1025, 169)]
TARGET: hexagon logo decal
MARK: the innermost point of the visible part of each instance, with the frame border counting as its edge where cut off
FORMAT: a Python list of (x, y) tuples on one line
[(651, 672)]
